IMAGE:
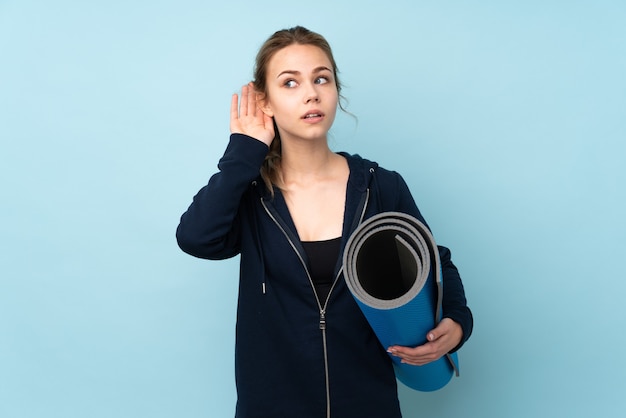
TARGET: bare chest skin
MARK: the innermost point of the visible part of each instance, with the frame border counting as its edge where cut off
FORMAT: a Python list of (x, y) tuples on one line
[(317, 206)]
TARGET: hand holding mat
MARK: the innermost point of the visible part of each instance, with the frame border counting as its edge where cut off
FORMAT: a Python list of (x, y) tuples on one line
[(392, 268)]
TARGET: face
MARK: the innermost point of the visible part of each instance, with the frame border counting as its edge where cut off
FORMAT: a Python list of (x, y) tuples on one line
[(302, 93)]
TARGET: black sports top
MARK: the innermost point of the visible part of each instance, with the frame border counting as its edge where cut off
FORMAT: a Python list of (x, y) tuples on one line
[(322, 256)]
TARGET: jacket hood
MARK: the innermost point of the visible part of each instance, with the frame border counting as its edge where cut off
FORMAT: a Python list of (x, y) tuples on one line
[(361, 171)]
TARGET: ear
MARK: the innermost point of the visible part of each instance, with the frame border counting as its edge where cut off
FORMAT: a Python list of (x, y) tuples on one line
[(264, 104)]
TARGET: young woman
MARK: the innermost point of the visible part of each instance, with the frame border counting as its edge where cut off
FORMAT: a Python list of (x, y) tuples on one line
[(287, 204)]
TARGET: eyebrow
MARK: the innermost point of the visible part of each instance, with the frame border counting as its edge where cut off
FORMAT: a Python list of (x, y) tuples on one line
[(315, 71)]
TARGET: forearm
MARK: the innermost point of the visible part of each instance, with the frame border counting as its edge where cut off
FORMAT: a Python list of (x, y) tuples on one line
[(209, 227)]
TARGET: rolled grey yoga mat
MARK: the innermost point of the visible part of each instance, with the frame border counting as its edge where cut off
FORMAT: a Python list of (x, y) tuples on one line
[(392, 267)]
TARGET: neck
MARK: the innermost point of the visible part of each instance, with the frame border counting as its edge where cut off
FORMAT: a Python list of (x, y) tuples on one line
[(304, 161)]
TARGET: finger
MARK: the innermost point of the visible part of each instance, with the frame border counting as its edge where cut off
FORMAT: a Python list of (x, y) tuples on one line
[(433, 334), (252, 107), (234, 115), (441, 329), (417, 358), (243, 108), (234, 111), (406, 352)]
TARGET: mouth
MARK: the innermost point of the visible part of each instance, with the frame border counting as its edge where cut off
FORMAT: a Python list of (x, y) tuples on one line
[(314, 114)]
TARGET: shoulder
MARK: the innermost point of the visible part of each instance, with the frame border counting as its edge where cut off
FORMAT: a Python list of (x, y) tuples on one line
[(369, 170)]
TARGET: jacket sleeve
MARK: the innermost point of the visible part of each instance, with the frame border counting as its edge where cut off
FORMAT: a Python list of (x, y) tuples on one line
[(210, 228), (454, 304)]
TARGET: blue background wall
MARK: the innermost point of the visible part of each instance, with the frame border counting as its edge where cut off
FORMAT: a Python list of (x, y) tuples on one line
[(507, 119)]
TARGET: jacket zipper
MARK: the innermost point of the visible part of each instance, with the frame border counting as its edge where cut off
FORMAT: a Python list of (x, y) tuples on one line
[(322, 324)]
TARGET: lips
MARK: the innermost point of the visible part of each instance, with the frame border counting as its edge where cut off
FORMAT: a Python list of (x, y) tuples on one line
[(313, 114)]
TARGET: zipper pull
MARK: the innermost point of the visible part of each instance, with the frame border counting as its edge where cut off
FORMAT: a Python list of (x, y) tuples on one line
[(322, 320)]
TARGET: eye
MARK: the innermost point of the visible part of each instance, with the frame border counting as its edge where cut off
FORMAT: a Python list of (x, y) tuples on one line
[(290, 83), (321, 80)]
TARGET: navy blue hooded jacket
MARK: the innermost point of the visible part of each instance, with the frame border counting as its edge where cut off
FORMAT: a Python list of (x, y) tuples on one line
[(295, 355)]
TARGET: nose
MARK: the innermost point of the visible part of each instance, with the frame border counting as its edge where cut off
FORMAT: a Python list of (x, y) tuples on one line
[(311, 94), (312, 98)]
